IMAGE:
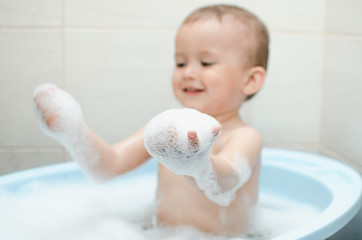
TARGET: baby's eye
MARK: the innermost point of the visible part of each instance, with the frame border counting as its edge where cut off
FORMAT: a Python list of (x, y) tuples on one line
[(205, 64), (180, 65)]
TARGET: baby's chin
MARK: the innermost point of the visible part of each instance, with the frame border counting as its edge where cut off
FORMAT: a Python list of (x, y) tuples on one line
[(202, 109), (196, 106), (186, 102)]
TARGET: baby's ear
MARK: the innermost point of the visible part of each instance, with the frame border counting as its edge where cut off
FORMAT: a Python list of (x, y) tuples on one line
[(254, 81)]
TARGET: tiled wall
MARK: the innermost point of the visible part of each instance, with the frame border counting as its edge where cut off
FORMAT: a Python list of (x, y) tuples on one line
[(342, 99), (116, 58)]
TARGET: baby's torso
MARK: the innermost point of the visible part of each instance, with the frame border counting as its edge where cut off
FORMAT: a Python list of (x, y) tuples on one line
[(180, 202)]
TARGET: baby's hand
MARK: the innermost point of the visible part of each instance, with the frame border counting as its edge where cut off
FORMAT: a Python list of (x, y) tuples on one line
[(59, 114), (181, 139)]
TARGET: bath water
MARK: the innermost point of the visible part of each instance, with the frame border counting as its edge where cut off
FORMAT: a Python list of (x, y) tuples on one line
[(120, 210)]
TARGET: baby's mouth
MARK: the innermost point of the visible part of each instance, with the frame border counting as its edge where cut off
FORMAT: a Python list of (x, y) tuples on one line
[(192, 90)]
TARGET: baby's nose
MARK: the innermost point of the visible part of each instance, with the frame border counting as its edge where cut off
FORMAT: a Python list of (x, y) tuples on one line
[(190, 72)]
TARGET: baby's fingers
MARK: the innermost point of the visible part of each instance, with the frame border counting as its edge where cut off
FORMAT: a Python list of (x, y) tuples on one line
[(216, 130), (193, 141), (44, 104)]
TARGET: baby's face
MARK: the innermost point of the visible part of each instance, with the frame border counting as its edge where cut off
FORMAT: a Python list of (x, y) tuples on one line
[(210, 66)]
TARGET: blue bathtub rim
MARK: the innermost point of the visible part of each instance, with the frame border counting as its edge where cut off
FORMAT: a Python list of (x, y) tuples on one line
[(322, 230)]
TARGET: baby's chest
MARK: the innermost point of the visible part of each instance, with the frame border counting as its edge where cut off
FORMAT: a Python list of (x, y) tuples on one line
[(219, 145)]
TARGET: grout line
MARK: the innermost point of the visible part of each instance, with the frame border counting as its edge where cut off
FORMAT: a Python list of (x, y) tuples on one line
[(63, 43), (87, 28), (29, 28), (253, 6), (121, 28), (323, 80), (63, 30), (343, 34), (325, 16), (64, 154), (30, 149), (295, 32), (335, 155), (160, 29)]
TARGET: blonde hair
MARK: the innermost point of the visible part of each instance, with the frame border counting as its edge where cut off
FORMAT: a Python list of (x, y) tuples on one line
[(257, 49)]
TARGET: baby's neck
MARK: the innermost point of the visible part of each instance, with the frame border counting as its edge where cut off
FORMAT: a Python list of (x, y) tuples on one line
[(229, 120)]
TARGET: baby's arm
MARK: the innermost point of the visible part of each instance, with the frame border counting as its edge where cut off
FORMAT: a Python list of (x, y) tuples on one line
[(238, 158), (60, 117), (232, 167), (182, 140)]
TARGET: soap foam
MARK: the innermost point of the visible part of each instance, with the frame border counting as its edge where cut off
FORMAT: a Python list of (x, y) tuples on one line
[(242, 173), (60, 117), (122, 210), (64, 111), (166, 139)]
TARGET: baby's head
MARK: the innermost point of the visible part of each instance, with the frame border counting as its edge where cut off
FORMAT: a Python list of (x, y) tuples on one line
[(227, 42), (250, 27)]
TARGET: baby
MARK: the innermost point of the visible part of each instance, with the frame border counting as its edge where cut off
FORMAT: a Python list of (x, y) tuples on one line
[(209, 158)]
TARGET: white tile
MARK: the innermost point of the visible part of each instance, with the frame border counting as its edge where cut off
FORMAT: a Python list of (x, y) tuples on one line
[(344, 16), (137, 13), (30, 13), (121, 79), (288, 107), (300, 15), (287, 114), (296, 55), (27, 59), (20, 159), (342, 98)]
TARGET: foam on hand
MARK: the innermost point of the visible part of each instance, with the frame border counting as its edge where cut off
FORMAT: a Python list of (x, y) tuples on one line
[(166, 139), (59, 114), (60, 117)]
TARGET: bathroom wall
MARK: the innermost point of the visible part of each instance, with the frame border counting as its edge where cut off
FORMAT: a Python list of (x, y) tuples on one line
[(116, 58), (341, 127)]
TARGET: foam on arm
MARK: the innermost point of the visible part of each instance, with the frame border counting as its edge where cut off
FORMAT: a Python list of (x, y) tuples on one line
[(60, 117), (167, 139)]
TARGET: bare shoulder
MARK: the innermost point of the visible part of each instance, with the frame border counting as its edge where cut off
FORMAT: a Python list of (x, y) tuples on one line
[(247, 142), (247, 133)]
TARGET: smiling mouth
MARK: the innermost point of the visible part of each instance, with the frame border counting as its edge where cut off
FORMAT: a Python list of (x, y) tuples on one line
[(192, 91)]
